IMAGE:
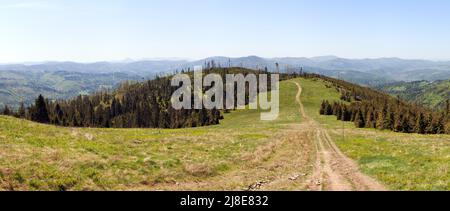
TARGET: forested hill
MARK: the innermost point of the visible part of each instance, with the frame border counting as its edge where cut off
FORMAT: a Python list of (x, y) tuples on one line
[(368, 108), (430, 94), (147, 105), (138, 105)]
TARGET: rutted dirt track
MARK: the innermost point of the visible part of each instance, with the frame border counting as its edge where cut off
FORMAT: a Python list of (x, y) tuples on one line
[(300, 157), (332, 169)]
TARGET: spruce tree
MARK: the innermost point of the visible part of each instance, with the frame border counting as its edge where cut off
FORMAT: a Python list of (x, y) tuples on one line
[(447, 109), (40, 113), (59, 114), (370, 119), (322, 108), (22, 111), (405, 124), (389, 120), (420, 125), (338, 112), (441, 125), (359, 119), (431, 124), (329, 109), (6, 111), (398, 127), (345, 116), (381, 117)]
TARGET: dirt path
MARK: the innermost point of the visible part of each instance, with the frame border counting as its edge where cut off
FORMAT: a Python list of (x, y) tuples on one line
[(301, 156), (332, 169)]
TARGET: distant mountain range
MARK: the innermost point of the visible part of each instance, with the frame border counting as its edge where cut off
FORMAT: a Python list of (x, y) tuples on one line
[(362, 71), (143, 68), (23, 82)]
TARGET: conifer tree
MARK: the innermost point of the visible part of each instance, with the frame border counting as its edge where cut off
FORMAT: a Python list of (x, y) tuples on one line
[(381, 119), (389, 120), (345, 116), (328, 109), (59, 114), (40, 112), (420, 125), (359, 119), (447, 109), (405, 126), (22, 112), (441, 125), (370, 119), (322, 108), (338, 112), (6, 111)]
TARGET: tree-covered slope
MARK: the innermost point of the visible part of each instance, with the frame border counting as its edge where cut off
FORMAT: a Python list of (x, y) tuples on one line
[(431, 94), (137, 105), (25, 86)]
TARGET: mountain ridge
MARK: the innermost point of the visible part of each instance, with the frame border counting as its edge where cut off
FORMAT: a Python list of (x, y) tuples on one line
[(31, 79), (395, 69)]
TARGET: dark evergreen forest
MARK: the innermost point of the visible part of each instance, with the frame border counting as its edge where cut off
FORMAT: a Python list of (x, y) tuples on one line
[(368, 108), (132, 105)]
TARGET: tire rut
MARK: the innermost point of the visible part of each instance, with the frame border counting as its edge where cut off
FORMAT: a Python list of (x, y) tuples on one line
[(332, 169)]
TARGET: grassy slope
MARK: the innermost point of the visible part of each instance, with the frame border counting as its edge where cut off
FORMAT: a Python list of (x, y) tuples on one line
[(401, 161), (34, 156)]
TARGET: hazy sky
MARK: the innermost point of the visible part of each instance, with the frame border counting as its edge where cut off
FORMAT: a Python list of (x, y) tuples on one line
[(94, 30)]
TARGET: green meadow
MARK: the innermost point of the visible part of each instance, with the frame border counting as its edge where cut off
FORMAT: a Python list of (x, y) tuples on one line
[(43, 157)]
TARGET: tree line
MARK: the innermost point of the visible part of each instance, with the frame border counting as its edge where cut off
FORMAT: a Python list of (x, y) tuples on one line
[(368, 108), (131, 105)]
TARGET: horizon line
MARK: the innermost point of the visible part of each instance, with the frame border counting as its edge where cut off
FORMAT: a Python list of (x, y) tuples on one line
[(187, 59)]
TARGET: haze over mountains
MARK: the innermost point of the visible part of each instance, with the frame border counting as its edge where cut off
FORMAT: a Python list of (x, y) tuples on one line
[(389, 69), (23, 82)]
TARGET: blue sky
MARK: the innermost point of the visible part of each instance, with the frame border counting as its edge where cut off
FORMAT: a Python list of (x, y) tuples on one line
[(98, 30)]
